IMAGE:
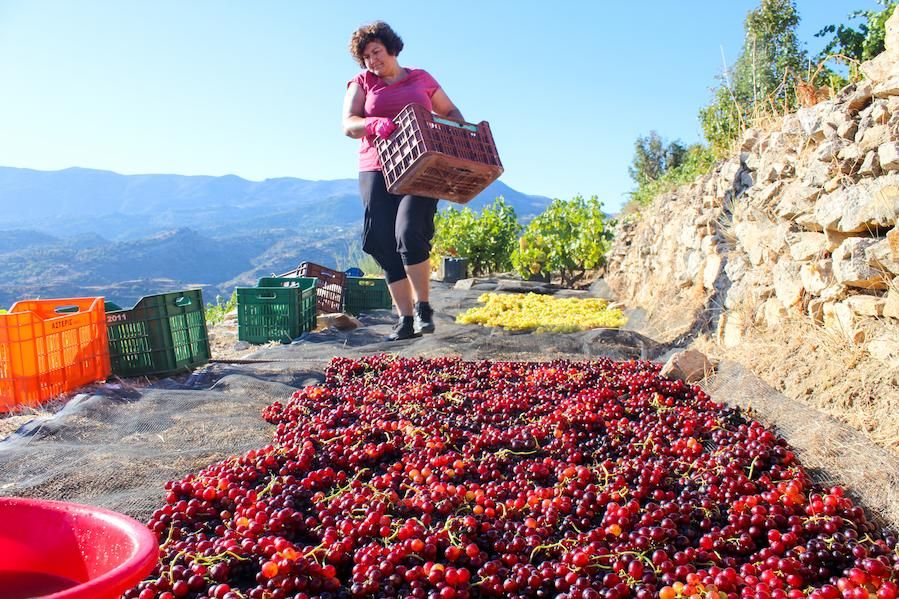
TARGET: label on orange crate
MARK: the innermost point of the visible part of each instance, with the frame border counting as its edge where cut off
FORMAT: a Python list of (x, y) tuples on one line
[(61, 324)]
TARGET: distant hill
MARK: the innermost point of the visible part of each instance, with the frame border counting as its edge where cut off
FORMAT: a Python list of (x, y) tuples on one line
[(81, 232), (77, 200)]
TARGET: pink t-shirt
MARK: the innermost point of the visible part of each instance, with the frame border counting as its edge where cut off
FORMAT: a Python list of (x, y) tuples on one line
[(387, 101)]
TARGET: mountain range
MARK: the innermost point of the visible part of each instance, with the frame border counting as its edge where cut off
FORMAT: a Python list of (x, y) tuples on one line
[(81, 231)]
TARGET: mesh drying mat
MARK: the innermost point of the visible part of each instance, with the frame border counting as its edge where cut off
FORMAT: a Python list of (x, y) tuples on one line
[(118, 447), (830, 451)]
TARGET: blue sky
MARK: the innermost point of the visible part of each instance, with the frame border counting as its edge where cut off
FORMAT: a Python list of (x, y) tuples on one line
[(255, 88)]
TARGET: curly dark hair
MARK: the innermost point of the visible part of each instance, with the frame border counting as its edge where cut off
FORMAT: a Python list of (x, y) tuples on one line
[(379, 31)]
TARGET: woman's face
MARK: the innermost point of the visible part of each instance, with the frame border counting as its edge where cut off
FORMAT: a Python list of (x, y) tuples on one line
[(377, 59)]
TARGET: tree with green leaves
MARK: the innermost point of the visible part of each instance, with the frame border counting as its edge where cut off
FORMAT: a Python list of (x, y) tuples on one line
[(653, 157), (487, 239), (855, 46), (762, 79), (568, 238)]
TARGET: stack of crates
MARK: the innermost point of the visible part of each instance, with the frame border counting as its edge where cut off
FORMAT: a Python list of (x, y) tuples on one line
[(328, 286), (161, 335), (48, 347), (362, 294), (277, 309)]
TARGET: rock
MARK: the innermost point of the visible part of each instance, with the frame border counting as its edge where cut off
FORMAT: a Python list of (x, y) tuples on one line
[(851, 268), (835, 238), (816, 276), (861, 97), (730, 329), (873, 137), (870, 165), (891, 303), (833, 184), (787, 283), (689, 366), (884, 347), (768, 192), (750, 139), (805, 246), (884, 65), (816, 310), (880, 114), (849, 154), (868, 205), (465, 283), (816, 173), (811, 122), (839, 318), (848, 130), (241, 346), (866, 305), (599, 288), (797, 198), (829, 150), (341, 322), (881, 257), (711, 270), (888, 153), (887, 88), (773, 312)]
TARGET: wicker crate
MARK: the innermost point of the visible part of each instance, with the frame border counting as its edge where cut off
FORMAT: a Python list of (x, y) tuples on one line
[(436, 157), (328, 288), (162, 334), (363, 294), (48, 347)]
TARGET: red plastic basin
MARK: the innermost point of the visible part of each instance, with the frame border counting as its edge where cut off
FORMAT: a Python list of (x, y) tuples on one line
[(67, 550)]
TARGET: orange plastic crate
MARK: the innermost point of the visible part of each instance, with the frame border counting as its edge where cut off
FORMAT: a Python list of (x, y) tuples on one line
[(48, 347)]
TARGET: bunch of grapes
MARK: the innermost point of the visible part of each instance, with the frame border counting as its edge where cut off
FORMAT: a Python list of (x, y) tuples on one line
[(449, 479)]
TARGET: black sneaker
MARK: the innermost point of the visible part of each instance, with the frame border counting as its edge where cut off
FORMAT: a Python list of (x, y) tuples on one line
[(424, 317), (404, 329)]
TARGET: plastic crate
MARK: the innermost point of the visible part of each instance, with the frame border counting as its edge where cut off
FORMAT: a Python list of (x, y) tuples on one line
[(48, 347), (363, 294), (162, 334), (306, 296), (274, 313), (436, 157), (328, 287), (452, 269)]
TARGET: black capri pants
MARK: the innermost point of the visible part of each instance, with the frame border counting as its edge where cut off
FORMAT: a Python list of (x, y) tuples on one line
[(397, 229)]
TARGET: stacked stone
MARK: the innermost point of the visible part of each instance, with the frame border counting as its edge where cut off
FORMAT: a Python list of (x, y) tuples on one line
[(803, 221)]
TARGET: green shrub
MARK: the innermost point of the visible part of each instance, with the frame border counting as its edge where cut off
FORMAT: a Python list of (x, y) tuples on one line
[(698, 161), (568, 238), (215, 313)]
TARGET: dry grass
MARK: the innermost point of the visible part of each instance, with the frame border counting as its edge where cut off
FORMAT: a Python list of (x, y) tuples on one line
[(824, 370)]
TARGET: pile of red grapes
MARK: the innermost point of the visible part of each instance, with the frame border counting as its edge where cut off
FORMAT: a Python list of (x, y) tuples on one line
[(442, 478)]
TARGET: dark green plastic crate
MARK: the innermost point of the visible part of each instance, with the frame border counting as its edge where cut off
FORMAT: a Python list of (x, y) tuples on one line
[(307, 296), (361, 294), (279, 309), (162, 334)]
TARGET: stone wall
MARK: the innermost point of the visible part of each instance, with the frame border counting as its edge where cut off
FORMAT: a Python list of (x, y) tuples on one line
[(801, 223)]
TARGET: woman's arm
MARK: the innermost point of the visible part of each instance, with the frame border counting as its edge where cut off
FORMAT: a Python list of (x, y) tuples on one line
[(353, 108), (444, 106)]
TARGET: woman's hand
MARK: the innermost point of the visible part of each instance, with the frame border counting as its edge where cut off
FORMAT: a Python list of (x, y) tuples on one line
[(379, 126)]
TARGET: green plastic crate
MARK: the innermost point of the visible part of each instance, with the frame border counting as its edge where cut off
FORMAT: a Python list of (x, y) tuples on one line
[(361, 294), (307, 296), (278, 309), (162, 334)]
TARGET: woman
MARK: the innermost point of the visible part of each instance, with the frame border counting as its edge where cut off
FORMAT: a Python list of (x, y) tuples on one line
[(397, 229)]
